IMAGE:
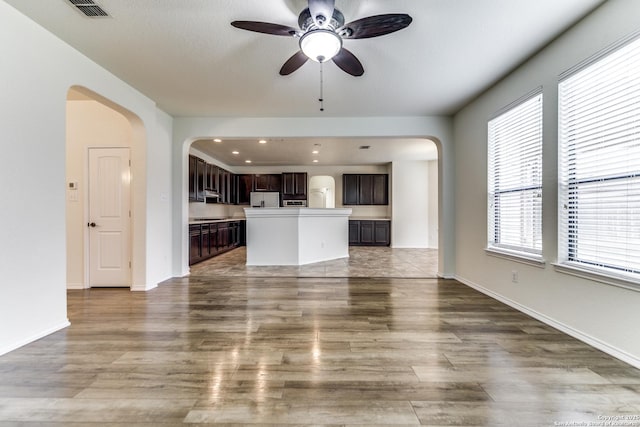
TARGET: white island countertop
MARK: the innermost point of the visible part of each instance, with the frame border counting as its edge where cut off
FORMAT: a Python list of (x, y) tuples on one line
[(296, 236)]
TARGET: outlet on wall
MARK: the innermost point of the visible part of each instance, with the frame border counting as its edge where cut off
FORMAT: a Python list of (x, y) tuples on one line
[(514, 276)]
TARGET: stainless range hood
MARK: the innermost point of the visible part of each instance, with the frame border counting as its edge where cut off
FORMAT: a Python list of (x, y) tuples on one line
[(211, 196)]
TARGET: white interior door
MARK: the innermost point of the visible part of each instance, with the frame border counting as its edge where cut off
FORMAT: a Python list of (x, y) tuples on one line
[(109, 217)]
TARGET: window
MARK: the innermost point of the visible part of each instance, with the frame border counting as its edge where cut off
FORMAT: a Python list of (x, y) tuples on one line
[(515, 178), (599, 131)]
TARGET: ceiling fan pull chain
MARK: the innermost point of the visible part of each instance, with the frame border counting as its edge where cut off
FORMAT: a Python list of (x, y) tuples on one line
[(321, 99)]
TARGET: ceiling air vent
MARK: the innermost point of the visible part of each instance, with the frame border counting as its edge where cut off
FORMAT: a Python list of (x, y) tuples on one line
[(89, 8), (364, 147)]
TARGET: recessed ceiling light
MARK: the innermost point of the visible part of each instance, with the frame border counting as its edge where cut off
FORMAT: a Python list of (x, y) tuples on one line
[(235, 152), (217, 140), (263, 141), (247, 161), (315, 161), (315, 152)]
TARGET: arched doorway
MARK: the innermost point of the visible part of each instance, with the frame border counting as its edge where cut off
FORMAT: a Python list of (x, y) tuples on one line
[(100, 140)]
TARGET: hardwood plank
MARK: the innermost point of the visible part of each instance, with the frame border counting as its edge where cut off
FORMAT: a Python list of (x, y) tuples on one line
[(241, 350)]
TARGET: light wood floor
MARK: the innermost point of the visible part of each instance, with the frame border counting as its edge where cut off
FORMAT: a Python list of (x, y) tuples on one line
[(308, 351), (363, 261)]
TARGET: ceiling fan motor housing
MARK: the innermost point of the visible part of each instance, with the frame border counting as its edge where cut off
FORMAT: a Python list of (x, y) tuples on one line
[(307, 23)]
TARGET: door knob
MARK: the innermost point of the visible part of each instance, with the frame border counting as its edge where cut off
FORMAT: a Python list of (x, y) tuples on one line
[(91, 224)]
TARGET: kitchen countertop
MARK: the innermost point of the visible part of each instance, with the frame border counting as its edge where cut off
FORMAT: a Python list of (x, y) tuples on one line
[(209, 220), (369, 218)]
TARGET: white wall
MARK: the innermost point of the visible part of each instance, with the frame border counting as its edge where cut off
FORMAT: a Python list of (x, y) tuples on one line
[(600, 314), (159, 249), (432, 189), (437, 129), (36, 71), (410, 203)]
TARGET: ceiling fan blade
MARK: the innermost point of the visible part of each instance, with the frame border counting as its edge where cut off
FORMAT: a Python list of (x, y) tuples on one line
[(321, 11), (293, 63), (265, 28), (374, 26), (348, 63)]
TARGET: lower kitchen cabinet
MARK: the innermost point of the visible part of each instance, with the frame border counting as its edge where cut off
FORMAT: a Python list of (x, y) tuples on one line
[(210, 239), (369, 233), (195, 244)]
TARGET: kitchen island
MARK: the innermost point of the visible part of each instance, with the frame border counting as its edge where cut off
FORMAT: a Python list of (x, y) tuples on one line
[(296, 236)]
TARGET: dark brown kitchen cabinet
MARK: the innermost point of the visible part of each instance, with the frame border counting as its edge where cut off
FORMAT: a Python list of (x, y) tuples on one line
[(223, 236), (369, 233), (197, 169), (226, 189), (350, 186), (354, 232), (213, 239), (381, 233), (267, 182), (210, 239), (192, 179), (244, 183), (195, 244), (232, 189), (200, 173), (294, 186), (365, 189), (211, 177), (201, 176), (242, 233)]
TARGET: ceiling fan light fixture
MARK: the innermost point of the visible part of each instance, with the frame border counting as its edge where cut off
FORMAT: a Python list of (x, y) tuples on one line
[(320, 45)]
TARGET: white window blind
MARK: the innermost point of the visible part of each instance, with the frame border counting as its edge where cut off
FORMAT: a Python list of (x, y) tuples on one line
[(515, 177), (599, 164)]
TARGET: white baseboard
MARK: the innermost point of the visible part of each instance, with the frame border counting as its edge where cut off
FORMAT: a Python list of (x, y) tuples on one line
[(75, 286), (7, 348), (142, 288), (569, 330)]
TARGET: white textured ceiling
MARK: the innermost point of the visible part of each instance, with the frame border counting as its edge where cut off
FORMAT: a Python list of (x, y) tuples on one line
[(185, 55)]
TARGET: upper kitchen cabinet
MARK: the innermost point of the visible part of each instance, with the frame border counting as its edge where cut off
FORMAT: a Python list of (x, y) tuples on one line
[(211, 177), (201, 169), (226, 190), (350, 189), (244, 184), (197, 171), (267, 182), (365, 189), (294, 185), (193, 183)]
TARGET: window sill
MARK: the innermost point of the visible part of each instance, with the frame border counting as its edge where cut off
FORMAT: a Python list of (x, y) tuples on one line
[(597, 275), (521, 257)]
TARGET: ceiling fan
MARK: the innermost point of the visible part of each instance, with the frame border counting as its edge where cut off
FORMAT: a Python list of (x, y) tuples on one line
[(322, 30)]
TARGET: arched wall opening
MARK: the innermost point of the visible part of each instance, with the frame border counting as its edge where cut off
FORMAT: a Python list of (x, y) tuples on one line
[(93, 121), (322, 192), (436, 129)]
